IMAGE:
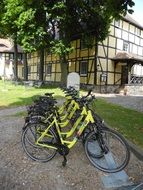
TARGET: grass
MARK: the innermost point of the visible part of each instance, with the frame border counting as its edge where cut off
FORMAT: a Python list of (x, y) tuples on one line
[(126, 121), (17, 95)]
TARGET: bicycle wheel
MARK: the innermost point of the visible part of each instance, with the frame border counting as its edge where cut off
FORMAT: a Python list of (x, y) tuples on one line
[(107, 150), (34, 151)]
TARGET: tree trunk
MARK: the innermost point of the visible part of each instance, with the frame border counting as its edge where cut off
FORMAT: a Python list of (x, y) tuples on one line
[(25, 66), (64, 70), (15, 59), (41, 65)]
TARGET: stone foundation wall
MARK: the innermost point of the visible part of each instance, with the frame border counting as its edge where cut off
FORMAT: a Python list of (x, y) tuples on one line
[(102, 89), (135, 89)]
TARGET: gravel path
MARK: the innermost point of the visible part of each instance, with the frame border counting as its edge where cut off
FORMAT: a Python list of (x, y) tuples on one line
[(132, 102), (18, 172)]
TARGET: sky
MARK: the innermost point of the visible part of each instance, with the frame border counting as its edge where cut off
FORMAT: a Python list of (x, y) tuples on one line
[(138, 11)]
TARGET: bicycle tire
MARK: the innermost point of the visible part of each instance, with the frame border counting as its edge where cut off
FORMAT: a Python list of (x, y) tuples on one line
[(37, 152), (115, 159)]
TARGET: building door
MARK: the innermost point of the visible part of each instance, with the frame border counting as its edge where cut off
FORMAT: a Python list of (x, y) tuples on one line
[(124, 76)]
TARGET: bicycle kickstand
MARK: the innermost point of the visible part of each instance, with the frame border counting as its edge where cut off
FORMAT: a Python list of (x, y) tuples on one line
[(64, 161)]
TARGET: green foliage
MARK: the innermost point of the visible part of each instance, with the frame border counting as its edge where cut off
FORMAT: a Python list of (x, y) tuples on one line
[(32, 27), (84, 18), (9, 15), (70, 17), (59, 48), (37, 22), (52, 24), (30, 34), (25, 21)]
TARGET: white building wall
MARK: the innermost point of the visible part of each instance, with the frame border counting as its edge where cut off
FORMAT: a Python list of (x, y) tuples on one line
[(6, 70), (2, 66), (137, 70), (129, 33)]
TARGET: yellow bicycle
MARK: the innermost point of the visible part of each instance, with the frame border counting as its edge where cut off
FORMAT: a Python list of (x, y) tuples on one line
[(106, 149)]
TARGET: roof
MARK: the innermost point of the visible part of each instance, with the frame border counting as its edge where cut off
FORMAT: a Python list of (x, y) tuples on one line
[(125, 56), (129, 19), (6, 45)]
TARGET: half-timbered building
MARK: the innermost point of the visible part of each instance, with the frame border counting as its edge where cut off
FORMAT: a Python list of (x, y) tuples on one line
[(110, 66)]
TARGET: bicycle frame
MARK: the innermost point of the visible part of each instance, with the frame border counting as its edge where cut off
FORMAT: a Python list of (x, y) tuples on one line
[(73, 106), (69, 101), (88, 119), (68, 116)]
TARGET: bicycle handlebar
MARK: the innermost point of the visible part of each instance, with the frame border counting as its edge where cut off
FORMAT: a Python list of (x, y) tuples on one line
[(89, 93)]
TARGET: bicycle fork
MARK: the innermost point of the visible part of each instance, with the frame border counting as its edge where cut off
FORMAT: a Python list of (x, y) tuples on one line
[(101, 140)]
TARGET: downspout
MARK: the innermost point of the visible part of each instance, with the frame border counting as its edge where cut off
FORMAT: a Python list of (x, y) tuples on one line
[(129, 72), (95, 63), (15, 59), (25, 66), (41, 66)]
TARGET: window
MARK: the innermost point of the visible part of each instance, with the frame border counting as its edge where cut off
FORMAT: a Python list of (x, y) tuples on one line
[(38, 67), (49, 69), (125, 35), (7, 56), (83, 68), (22, 71), (0, 55), (86, 42), (117, 23), (125, 46), (11, 56), (20, 56), (29, 70), (134, 49), (83, 44), (138, 31)]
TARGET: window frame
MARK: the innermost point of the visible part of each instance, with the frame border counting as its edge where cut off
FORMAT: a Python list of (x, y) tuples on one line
[(125, 46), (83, 69), (49, 68), (117, 23), (20, 56), (38, 66), (137, 31), (22, 72), (29, 70)]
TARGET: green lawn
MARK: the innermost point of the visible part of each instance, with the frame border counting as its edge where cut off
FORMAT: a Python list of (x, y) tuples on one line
[(17, 95), (126, 121)]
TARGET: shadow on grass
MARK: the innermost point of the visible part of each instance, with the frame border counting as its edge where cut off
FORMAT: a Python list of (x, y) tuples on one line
[(28, 101)]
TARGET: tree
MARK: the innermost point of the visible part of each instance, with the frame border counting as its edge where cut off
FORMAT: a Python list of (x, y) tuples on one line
[(81, 17), (24, 22), (33, 30), (2, 34), (53, 23), (9, 14)]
